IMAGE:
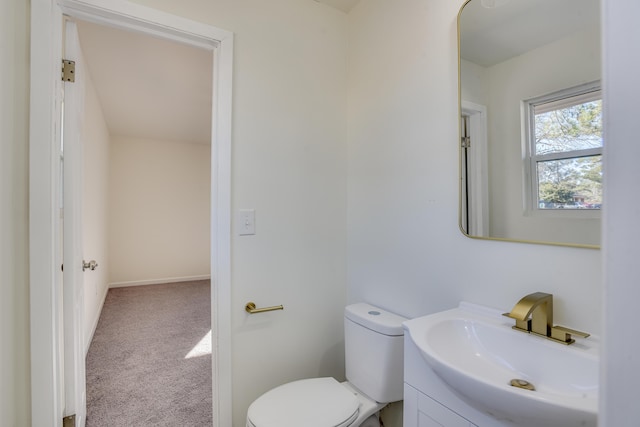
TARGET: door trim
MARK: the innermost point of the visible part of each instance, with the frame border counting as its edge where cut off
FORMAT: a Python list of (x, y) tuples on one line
[(478, 202), (46, 47)]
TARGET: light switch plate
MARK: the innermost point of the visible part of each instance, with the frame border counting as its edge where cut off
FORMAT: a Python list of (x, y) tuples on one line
[(246, 222)]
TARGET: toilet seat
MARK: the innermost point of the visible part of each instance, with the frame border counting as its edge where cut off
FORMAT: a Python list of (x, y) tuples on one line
[(316, 402)]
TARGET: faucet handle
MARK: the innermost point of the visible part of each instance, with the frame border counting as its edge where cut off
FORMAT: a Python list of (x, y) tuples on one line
[(563, 334)]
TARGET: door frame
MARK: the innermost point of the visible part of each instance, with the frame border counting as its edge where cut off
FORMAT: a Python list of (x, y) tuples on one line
[(478, 170), (47, 374)]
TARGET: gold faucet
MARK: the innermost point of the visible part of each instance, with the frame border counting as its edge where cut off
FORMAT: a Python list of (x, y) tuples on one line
[(534, 314)]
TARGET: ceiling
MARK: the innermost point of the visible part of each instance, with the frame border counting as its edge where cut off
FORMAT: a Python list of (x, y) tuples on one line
[(149, 87), (491, 36)]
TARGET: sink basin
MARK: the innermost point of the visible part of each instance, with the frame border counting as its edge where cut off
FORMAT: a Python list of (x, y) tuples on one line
[(476, 353)]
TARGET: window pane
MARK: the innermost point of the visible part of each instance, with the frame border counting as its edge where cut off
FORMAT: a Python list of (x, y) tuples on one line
[(570, 183), (576, 127)]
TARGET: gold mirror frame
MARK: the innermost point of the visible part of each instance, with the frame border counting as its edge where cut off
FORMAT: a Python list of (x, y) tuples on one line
[(462, 179)]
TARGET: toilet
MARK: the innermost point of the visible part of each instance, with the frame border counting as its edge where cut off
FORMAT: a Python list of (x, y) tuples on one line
[(374, 369)]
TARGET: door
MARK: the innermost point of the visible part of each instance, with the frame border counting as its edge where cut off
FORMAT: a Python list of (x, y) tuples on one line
[(73, 283)]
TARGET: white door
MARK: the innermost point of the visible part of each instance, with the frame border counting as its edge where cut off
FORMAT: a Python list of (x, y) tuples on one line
[(73, 284)]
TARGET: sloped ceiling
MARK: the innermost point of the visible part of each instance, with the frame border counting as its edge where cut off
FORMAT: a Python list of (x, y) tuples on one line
[(149, 87)]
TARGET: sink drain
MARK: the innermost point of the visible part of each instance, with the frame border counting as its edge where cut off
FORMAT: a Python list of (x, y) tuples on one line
[(522, 384)]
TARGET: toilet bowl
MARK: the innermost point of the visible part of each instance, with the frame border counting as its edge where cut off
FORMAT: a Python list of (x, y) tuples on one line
[(374, 371)]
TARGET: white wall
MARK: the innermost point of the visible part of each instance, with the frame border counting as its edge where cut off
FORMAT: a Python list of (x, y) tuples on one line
[(288, 163), (620, 365), (14, 212), (95, 236), (566, 63), (474, 83), (159, 211), (406, 252)]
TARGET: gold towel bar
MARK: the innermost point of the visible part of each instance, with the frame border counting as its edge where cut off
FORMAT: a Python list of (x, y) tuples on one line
[(251, 308)]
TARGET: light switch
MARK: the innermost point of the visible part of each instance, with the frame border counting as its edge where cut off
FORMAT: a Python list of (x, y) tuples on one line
[(246, 222)]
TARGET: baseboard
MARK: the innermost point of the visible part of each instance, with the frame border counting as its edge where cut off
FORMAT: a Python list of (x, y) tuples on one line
[(158, 281), (95, 322)]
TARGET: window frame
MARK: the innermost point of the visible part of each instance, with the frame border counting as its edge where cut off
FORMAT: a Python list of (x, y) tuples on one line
[(586, 92)]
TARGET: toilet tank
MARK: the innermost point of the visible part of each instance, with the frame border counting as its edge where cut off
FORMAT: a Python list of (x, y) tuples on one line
[(373, 340)]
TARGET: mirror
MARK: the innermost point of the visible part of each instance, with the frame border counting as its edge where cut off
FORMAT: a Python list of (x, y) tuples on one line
[(531, 121)]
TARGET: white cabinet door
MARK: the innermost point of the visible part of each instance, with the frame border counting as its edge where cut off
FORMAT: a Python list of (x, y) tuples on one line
[(425, 420), (422, 411), (433, 414)]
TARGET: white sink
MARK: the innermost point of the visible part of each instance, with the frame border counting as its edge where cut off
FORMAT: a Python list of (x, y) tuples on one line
[(476, 353)]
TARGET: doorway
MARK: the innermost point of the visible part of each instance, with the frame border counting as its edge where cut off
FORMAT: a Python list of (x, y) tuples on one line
[(146, 154), (46, 37)]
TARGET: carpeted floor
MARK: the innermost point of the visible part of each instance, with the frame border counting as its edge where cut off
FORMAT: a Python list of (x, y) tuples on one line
[(149, 363)]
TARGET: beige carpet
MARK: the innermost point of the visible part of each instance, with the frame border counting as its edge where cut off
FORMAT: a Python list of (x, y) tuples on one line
[(149, 363)]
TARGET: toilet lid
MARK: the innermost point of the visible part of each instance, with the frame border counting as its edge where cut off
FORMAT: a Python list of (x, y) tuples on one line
[(317, 402)]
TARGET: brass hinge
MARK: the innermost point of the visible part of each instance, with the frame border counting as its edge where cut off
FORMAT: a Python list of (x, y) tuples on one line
[(466, 142), (69, 421), (68, 71)]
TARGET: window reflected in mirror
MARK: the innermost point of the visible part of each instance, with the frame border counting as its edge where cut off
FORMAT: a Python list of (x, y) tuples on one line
[(564, 147), (531, 121)]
